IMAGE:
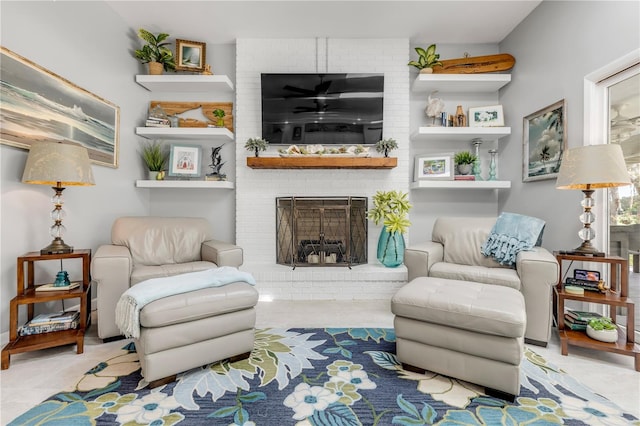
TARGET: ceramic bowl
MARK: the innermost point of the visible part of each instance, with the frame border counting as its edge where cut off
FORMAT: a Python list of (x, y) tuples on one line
[(608, 336)]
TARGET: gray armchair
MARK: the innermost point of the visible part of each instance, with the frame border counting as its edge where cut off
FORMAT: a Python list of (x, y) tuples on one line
[(454, 253), (151, 247)]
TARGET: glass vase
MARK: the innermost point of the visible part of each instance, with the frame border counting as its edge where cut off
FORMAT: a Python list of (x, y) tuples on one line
[(390, 248)]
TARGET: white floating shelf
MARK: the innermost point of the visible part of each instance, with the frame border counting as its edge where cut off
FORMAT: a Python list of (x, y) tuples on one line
[(461, 184), (460, 133), (184, 133), (195, 184), (456, 83), (185, 83)]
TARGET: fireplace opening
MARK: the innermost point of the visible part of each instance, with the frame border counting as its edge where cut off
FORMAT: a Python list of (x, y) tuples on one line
[(328, 231)]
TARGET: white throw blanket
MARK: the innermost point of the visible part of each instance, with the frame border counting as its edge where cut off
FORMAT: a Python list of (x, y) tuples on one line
[(135, 298)]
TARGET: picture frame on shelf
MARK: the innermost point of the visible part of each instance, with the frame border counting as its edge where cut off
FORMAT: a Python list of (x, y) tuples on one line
[(40, 104), (185, 160), (487, 116), (190, 55), (434, 167), (544, 142)]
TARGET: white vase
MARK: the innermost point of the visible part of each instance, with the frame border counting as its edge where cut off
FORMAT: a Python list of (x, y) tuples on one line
[(151, 175), (608, 336)]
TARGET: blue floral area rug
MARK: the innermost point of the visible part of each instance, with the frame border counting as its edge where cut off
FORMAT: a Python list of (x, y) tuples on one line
[(304, 377)]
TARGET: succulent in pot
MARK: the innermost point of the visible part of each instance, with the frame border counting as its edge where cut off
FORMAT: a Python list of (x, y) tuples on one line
[(219, 114), (602, 329), (464, 160)]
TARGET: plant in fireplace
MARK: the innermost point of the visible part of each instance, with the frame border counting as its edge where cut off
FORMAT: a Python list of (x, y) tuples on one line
[(391, 208)]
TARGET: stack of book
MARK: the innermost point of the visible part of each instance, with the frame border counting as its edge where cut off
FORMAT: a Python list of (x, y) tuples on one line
[(464, 177), (157, 122), (578, 320), (45, 323)]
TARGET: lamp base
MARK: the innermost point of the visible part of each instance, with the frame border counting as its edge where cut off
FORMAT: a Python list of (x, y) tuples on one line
[(57, 246), (585, 249)]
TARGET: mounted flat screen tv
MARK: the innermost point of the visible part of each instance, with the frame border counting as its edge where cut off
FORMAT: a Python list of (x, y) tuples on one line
[(326, 109)]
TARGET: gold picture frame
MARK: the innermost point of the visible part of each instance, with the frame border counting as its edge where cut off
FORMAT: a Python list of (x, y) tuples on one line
[(41, 105), (190, 55)]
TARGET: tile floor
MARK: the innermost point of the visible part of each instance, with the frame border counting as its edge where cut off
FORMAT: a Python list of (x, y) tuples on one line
[(34, 376)]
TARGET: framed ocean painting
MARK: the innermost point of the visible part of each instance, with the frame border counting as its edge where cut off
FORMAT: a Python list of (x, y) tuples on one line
[(37, 105), (544, 142)]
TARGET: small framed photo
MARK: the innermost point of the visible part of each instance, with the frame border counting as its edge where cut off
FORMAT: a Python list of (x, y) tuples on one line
[(190, 55), (185, 160), (544, 142), (434, 167), (489, 116)]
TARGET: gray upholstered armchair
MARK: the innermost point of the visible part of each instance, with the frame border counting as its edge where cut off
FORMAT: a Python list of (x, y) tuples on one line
[(151, 247), (455, 253)]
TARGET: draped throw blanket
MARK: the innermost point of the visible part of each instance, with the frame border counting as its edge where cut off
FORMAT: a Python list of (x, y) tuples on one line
[(135, 298), (511, 234)]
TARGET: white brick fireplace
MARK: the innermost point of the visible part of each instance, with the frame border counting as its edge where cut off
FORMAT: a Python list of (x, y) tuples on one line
[(256, 190)]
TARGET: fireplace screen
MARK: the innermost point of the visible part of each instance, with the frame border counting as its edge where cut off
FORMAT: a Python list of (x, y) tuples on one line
[(315, 231)]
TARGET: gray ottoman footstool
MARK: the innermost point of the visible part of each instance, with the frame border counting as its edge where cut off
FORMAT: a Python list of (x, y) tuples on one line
[(466, 330)]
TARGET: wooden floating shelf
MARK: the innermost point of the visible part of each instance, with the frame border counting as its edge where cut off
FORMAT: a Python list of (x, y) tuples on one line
[(322, 162)]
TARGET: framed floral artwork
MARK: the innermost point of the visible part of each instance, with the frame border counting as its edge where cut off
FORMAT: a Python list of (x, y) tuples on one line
[(545, 140), (434, 167)]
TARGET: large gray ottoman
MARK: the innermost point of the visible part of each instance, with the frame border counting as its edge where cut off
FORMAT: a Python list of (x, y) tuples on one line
[(466, 330)]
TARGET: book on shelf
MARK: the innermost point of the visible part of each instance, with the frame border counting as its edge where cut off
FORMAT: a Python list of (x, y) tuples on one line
[(582, 315), (464, 177), (28, 330), (61, 317), (51, 287), (572, 324)]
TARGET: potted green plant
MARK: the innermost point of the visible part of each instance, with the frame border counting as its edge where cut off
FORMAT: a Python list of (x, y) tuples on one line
[(386, 145), (155, 158), (464, 160), (391, 209), (155, 52), (219, 114), (427, 59), (602, 329), (256, 145)]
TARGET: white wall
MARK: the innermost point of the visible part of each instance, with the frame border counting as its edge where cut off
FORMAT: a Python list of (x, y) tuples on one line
[(555, 47), (67, 39)]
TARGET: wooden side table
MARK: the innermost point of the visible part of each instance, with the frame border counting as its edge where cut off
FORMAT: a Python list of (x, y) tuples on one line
[(26, 295), (616, 296)]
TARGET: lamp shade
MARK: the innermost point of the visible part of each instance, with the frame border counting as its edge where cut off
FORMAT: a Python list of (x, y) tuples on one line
[(593, 166), (50, 163)]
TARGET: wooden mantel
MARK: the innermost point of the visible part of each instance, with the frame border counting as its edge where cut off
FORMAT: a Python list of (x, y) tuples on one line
[(325, 162)]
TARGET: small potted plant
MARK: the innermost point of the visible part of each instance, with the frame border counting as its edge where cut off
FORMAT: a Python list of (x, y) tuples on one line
[(391, 209), (602, 329), (219, 114), (155, 52), (386, 145), (256, 145), (464, 160), (155, 159), (427, 59)]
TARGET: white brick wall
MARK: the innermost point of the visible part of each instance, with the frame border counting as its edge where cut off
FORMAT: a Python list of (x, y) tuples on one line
[(256, 190)]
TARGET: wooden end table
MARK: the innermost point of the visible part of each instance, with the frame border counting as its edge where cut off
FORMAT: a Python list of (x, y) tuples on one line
[(26, 295), (616, 296)]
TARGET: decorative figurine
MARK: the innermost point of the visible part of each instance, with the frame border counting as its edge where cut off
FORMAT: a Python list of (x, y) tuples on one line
[(62, 279), (460, 119), (435, 107), (216, 165)]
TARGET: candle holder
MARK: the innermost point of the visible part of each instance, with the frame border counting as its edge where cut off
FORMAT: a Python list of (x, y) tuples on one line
[(492, 164), (476, 164)]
